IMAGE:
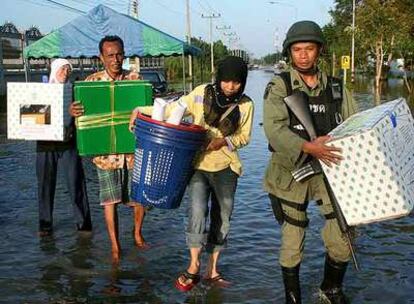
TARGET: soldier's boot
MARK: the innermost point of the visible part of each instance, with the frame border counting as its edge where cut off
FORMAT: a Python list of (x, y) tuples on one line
[(292, 285), (331, 287)]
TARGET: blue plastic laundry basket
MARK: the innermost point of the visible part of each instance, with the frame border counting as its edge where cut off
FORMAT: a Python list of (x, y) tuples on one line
[(163, 161)]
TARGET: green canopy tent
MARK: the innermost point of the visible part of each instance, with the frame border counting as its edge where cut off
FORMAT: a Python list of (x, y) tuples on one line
[(80, 38)]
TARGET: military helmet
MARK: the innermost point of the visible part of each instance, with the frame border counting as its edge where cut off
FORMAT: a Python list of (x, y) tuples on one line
[(303, 31)]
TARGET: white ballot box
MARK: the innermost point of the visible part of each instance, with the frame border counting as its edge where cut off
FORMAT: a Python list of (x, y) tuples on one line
[(38, 111), (375, 181)]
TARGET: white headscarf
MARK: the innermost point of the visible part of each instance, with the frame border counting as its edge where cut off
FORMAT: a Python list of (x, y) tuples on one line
[(55, 66)]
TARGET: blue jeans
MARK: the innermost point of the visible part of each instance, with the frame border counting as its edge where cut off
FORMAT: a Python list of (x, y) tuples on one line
[(221, 187)]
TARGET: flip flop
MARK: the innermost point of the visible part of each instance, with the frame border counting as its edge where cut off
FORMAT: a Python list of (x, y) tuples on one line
[(195, 278), (218, 280)]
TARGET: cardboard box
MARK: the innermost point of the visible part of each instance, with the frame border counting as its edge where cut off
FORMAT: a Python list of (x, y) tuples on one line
[(35, 119), (375, 181), (103, 129), (38, 111)]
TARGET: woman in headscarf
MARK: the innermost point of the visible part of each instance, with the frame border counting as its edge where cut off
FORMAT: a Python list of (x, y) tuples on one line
[(227, 113), (49, 154)]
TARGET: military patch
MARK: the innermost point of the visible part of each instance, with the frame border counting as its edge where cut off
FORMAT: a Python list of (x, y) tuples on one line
[(268, 87)]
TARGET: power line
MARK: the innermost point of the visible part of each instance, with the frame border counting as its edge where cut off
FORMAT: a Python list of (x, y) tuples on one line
[(53, 4), (211, 8), (121, 6), (202, 6), (40, 4), (65, 6), (76, 2), (168, 8), (197, 12), (210, 17)]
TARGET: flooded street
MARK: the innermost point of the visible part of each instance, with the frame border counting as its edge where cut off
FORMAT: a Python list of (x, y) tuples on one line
[(74, 268)]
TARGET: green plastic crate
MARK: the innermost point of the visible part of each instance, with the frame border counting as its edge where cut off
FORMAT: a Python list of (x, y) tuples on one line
[(103, 129)]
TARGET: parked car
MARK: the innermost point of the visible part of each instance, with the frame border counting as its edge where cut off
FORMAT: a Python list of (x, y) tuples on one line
[(157, 79)]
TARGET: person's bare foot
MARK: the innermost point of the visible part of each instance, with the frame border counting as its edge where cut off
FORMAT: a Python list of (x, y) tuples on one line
[(116, 255), (140, 243)]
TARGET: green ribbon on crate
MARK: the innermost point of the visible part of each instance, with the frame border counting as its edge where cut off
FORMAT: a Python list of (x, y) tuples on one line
[(111, 119)]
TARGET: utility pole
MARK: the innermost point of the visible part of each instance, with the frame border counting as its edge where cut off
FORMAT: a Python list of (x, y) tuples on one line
[(133, 12), (211, 41), (276, 39), (26, 61), (223, 28), (2, 84), (353, 43), (190, 58), (233, 45), (229, 38), (133, 9), (202, 65)]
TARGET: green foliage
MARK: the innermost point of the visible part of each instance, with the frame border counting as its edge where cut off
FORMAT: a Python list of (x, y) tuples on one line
[(201, 64), (377, 21), (271, 59), (338, 33)]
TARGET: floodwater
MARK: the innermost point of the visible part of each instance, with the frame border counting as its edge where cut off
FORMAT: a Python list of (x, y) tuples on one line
[(74, 268)]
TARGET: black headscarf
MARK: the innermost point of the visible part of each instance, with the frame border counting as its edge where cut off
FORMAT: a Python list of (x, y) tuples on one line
[(231, 68)]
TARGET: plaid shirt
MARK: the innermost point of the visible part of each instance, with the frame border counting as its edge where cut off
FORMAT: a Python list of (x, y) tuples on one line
[(113, 161)]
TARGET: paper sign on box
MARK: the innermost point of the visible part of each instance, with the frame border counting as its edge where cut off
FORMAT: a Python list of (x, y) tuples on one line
[(38, 111), (375, 181)]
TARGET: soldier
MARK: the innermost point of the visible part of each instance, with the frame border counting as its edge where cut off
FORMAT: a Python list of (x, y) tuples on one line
[(292, 148)]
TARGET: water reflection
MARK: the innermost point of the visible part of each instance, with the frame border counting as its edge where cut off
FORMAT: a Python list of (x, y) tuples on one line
[(390, 89), (73, 268), (67, 273)]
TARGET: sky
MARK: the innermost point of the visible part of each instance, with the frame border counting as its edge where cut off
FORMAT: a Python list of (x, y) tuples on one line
[(258, 26)]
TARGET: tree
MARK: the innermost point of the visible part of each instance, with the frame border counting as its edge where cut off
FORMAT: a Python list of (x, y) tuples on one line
[(201, 63), (380, 24), (383, 29), (271, 59)]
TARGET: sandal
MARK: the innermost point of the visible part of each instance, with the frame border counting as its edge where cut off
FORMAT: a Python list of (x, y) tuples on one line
[(218, 280), (195, 278)]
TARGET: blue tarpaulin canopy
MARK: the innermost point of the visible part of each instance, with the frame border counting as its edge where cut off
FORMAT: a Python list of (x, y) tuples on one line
[(81, 36)]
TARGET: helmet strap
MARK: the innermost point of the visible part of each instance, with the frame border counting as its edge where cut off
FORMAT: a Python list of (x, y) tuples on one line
[(310, 71)]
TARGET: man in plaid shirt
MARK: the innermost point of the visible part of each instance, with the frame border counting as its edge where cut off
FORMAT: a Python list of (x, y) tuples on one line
[(114, 170)]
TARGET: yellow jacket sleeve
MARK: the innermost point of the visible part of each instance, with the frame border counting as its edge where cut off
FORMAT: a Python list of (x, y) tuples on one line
[(242, 136)]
